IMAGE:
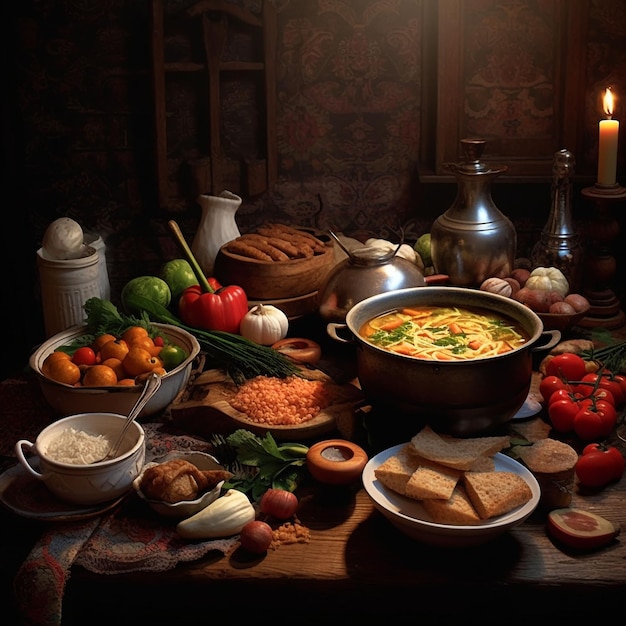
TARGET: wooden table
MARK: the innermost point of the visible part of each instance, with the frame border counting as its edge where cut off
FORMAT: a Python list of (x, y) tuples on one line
[(358, 566)]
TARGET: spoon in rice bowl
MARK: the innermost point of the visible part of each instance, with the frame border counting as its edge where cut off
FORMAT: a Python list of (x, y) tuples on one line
[(151, 386)]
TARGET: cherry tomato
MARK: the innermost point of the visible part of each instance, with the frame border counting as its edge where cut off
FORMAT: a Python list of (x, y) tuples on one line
[(599, 465), (159, 341), (550, 384), (568, 365), (562, 414), (84, 356)]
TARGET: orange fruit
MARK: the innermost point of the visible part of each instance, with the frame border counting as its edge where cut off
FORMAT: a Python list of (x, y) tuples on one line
[(160, 371), (53, 356), (63, 371), (126, 382), (146, 343), (99, 376), (139, 361), (116, 349), (117, 366), (130, 335), (101, 340)]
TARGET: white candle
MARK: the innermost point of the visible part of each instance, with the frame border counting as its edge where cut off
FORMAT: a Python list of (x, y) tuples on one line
[(607, 146)]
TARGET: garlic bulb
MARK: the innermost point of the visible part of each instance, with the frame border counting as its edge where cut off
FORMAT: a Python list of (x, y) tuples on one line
[(264, 324)]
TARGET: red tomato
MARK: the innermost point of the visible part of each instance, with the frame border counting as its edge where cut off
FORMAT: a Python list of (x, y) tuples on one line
[(159, 341), (622, 383), (84, 356), (599, 465), (562, 394), (550, 384), (562, 414), (598, 394), (568, 365), (588, 425), (601, 381)]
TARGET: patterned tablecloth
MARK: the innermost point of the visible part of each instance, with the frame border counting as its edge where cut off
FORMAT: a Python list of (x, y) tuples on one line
[(126, 537)]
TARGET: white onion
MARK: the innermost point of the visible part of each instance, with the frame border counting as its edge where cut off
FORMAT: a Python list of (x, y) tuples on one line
[(63, 239)]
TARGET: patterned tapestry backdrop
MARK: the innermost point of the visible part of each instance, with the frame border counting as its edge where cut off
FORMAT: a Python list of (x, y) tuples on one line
[(80, 133)]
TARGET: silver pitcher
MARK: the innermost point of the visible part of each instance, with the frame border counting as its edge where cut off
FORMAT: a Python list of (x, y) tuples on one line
[(473, 240)]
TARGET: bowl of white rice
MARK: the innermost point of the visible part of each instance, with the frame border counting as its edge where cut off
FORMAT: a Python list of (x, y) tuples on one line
[(70, 452)]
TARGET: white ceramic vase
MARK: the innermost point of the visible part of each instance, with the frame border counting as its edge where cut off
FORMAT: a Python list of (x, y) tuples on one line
[(217, 227)]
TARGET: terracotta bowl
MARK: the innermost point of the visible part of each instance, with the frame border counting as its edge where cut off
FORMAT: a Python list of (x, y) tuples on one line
[(562, 322), (267, 280)]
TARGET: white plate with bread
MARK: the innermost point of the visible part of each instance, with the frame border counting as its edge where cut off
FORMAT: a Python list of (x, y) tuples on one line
[(451, 492)]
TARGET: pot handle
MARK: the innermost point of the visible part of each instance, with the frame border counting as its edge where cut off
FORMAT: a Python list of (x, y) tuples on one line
[(19, 451), (333, 329), (552, 337)]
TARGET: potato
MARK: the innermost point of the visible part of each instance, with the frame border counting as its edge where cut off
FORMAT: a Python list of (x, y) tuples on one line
[(537, 300)]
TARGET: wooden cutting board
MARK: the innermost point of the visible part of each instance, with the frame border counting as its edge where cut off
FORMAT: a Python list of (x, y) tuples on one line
[(205, 409)]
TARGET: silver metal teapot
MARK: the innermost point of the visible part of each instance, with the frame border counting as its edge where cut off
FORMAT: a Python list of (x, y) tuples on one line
[(366, 272), (473, 240)]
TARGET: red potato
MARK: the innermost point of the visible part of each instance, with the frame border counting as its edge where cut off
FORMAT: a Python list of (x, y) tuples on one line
[(578, 302), (562, 308), (520, 275), (535, 299)]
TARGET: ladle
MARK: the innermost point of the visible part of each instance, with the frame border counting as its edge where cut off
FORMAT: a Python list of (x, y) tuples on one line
[(151, 386)]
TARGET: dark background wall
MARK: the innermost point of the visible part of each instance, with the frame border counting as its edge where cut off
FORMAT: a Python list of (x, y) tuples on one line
[(78, 132)]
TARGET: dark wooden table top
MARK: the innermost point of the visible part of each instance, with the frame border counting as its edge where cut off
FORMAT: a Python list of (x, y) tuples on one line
[(357, 565)]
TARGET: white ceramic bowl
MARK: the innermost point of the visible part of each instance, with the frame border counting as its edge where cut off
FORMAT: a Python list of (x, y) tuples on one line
[(185, 508), (68, 400), (411, 518), (87, 484)]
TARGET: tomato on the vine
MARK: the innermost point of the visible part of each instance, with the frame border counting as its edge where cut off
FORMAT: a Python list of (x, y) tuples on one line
[(562, 414), (84, 356), (601, 381), (597, 394), (599, 465), (595, 421), (568, 365), (562, 394), (550, 384)]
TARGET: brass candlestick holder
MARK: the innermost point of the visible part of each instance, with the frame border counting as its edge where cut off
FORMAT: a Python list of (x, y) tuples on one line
[(605, 308)]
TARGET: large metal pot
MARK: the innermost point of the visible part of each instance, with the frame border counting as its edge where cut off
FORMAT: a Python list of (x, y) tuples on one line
[(462, 398)]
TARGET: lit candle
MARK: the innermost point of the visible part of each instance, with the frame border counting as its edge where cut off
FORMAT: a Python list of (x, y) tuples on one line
[(607, 146)]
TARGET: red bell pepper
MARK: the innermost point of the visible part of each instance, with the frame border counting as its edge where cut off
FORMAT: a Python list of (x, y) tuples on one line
[(218, 308)]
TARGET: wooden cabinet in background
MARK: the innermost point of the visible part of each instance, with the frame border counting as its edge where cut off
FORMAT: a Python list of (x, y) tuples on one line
[(510, 72), (214, 81)]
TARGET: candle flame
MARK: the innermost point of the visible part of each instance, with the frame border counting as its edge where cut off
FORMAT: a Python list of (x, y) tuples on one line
[(608, 102)]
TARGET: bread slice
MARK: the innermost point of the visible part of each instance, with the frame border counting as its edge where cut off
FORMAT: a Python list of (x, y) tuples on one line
[(483, 464), (431, 480), (396, 470), (455, 452), (496, 493), (457, 510)]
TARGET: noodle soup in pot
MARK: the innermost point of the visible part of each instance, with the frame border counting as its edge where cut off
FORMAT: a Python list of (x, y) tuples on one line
[(444, 333), (459, 396)]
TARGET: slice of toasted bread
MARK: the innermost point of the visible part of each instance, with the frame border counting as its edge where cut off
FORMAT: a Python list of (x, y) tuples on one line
[(496, 493), (455, 452), (431, 480), (396, 470), (456, 510), (483, 464)]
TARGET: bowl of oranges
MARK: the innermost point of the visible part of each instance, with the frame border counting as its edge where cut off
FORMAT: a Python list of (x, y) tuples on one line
[(82, 373)]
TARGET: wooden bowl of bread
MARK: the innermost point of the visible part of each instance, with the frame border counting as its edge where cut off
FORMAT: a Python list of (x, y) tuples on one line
[(448, 491), (276, 261)]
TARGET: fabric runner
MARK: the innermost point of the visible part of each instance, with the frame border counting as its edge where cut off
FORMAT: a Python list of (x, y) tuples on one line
[(128, 538)]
